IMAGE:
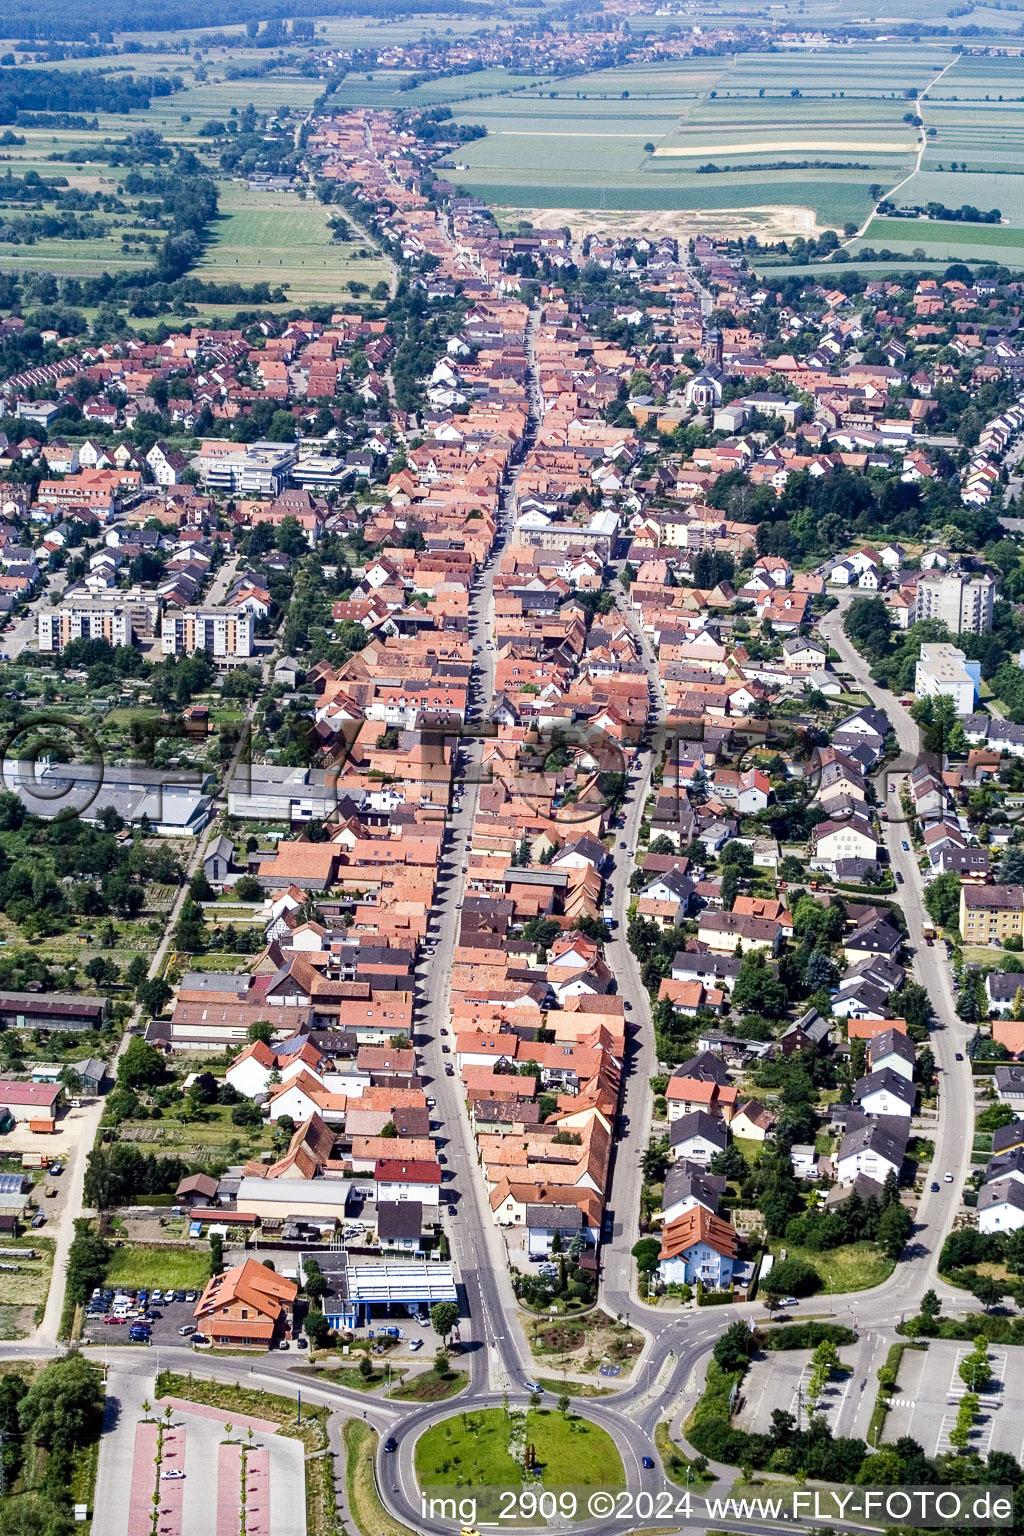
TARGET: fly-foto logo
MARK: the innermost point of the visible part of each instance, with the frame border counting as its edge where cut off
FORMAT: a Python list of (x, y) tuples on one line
[(53, 763)]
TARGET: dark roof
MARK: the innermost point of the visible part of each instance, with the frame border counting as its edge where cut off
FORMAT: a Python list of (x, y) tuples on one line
[(399, 1218), (698, 1123)]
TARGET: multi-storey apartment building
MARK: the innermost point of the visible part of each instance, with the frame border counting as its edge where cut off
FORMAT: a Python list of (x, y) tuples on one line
[(962, 600), (83, 619), (224, 633)]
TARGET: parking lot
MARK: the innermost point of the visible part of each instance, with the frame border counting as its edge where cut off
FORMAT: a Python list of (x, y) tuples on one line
[(928, 1391), (203, 1497), (779, 1379), (165, 1329)]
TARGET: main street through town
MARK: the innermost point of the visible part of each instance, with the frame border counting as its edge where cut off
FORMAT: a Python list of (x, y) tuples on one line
[(667, 1378)]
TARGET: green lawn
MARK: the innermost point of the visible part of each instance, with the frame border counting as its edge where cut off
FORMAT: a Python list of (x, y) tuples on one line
[(178, 1268), (473, 1448), (940, 232), (851, 1267)]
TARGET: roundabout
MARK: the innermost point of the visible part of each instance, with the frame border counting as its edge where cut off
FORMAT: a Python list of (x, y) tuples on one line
[(498, 1448)]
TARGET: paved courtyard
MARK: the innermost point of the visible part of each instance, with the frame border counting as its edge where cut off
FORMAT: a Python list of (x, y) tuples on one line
[(207, 1501), (928, 1393)]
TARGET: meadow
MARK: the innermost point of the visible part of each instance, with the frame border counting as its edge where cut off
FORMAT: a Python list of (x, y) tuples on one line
[(277, 237)]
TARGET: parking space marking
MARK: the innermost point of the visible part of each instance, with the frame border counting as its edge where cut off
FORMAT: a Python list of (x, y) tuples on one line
[(229, 1482), (140, 1500)]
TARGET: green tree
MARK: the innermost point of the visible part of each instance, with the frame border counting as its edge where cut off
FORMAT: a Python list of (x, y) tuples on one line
[(316, 1328), (942, 899), (88, 1257), (894, 1228), (443, 1317), (646, 1254), (314, 1281), (62, 1408), (141, 1065), (153, 995)]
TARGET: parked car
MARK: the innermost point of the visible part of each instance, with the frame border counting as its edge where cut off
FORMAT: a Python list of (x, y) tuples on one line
[(934, 1187), (186, 1329)]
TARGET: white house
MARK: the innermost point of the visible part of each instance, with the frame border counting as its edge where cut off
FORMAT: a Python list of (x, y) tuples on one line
[(1001, 1206), (696, 1137), (885, 1093), (893, 1051), (871, 1150)]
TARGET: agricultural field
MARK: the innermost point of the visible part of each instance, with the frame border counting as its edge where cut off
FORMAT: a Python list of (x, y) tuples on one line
[(277, 237), (979, 242), (633, 139)]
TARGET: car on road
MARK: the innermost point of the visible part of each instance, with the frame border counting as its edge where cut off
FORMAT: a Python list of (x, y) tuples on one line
[(444, 1031), (647, 1461), (959, 1056), (788, 1301), (172, 1475), (947, 1178), (449, 1070), (899, 878), (446, 1050), (905, 846), (934, 1187), (391, 1444), (622, 845), (627, 1005)]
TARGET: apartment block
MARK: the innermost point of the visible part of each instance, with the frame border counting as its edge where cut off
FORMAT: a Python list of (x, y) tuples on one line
[(962, 600), (991, 913), (224, 633), (943, 671), (82, 619)]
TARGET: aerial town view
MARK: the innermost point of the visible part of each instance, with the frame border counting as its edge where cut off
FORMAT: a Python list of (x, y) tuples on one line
[(512, 757)]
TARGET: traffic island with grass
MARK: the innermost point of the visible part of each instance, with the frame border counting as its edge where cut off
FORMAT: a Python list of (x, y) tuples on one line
[(496, 1449), (592, 1345)]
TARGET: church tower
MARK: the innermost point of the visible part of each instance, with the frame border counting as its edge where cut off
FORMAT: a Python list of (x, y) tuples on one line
[(712, 348)]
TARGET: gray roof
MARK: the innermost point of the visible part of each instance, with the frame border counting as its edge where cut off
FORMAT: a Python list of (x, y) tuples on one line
[(559, 1218), (892, 1042), (1001, 1192), (1003, 1164), (698, 1123), (1002, 985), (685, 1178), (888, 1080), (1010, 1081), (215, 981), (874, 1137)]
